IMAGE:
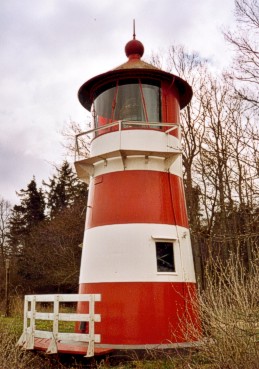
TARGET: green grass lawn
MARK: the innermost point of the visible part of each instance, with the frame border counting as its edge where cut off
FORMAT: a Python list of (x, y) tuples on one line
[(46, 325), (13, 325)]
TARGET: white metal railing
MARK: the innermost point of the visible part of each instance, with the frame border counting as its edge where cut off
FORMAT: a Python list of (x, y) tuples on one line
[(120, 125), (31, 314)]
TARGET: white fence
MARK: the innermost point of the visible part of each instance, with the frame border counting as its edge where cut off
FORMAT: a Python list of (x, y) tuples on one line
[(31, 315)]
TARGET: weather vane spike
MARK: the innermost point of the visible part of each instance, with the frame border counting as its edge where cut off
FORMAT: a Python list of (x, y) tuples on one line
[(134, 34)]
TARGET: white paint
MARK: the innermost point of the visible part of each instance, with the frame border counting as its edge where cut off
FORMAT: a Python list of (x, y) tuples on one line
[(152, 346), (138, 149), (135, 139), (134, 149), (31, 315), (151, 163), (119, 163), (126, 253)]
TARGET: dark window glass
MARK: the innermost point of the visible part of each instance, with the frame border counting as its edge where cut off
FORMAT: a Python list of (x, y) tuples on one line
[(129, 104), (103, 107), (165, 257), (135, 101), (152, 102)]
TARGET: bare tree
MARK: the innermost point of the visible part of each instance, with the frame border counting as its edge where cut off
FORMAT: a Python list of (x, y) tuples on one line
[(76, 146), (244, 40), (5, 212), (220, 160), (191, 67)]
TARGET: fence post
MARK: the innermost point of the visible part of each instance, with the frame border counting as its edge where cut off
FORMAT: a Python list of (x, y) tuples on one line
[(29, 344), (90, 349), (53, 348)]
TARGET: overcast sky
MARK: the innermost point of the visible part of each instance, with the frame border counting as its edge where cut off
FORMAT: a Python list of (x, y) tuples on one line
[(49, 48)]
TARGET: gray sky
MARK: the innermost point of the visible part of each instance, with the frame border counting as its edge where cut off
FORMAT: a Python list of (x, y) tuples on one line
[(49, 48)]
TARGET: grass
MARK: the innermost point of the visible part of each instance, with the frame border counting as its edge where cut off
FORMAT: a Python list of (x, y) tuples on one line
[(12, 325), (12, 357), (46, 325)]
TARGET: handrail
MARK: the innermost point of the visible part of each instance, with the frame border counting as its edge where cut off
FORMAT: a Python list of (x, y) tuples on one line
[(30, 313), (122, 124)]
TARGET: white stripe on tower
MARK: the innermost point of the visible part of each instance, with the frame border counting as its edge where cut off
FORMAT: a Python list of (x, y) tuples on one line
[(126, 253)]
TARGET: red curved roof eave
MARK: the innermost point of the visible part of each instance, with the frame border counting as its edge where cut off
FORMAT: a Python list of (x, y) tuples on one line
[(86, 91)]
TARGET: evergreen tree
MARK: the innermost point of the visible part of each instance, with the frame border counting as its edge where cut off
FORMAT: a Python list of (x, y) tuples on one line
[(63, 190), (23, 221), (17, 231), (25, 216), (32, 205)]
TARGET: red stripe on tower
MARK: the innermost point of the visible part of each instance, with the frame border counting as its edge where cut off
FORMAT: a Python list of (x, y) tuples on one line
[(137, 196), (137, 252)]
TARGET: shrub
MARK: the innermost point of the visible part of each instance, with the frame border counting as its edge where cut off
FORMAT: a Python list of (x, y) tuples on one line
[(229, 314)]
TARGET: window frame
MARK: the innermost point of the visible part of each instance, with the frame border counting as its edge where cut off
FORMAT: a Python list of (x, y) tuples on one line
[(173, 242)]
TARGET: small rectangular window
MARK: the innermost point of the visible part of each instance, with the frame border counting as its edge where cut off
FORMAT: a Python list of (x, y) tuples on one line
[(165, 257)]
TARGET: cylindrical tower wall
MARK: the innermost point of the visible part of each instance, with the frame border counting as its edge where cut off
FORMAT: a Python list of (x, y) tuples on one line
[(137, 252), (136, 202)]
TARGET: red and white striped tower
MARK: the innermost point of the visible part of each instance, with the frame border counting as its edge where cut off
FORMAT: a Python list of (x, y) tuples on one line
[(137, 251)]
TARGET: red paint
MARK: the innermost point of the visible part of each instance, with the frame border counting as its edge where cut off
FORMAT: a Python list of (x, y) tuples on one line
[(170, 106), (136, 196), (178, 200), (134, 48), (142, 313), (73, 348)]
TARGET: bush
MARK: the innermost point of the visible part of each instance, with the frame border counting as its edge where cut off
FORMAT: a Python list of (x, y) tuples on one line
[(229, 314), (13, 357)]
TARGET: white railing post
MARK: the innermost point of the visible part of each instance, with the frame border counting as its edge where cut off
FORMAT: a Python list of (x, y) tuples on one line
[(53, 348), (29, 344), (90, 349), (22, 339)]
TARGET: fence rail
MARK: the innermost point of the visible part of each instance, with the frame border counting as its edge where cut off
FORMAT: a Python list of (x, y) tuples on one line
[(31, 315)]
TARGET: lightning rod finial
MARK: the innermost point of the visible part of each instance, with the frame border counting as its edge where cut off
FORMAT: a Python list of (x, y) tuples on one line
[(134, 33)]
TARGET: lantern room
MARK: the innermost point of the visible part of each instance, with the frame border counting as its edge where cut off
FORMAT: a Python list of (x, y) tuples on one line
[(135, 91)]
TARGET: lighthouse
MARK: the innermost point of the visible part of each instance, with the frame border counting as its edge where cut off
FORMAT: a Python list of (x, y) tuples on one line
[(136, 251)]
